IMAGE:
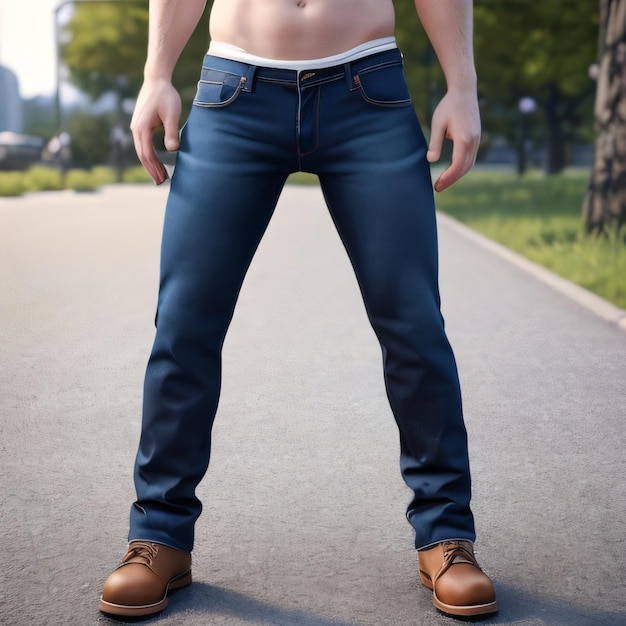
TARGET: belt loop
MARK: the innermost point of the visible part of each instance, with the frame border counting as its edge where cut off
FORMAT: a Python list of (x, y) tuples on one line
[(249, 73), (348, 72)]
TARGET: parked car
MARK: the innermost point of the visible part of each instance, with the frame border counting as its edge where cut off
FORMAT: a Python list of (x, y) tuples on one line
[(19, 152)]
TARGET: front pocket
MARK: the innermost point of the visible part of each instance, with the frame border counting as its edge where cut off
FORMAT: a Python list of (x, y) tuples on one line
[(217, 88), (384, 86)]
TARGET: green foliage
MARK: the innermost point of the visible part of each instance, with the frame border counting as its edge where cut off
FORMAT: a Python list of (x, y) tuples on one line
[(39, 118), (80, 180), (539, 217), (303, 178), (542, 50), (136, 174), (529, 48), (106, 48), (423, 74), (41, 178), (12, 184), (102, 175), (91, 144), (188, 68), (522, 48), (104, 45)]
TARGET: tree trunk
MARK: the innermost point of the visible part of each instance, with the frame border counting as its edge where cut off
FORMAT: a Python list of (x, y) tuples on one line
[(604, 205), (555, 142)]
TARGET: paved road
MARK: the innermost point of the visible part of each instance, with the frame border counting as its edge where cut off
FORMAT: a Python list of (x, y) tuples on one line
[(303, 521)]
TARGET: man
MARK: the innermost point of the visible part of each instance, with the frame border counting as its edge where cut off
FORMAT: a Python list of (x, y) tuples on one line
[(318, 86)]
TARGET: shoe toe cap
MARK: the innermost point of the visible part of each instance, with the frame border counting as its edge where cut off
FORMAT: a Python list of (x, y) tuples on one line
[(133, 585), (465, 585)]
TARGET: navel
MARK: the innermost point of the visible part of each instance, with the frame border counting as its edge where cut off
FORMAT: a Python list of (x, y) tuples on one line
[(301, 3)]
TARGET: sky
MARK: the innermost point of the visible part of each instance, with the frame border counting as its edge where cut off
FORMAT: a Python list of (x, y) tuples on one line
[(27, 44)]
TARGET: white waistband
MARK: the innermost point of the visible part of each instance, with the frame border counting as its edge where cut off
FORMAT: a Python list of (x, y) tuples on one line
[(234, 53)]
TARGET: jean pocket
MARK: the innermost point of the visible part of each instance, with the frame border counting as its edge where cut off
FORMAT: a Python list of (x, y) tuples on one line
[(383, 86), (217, 88)]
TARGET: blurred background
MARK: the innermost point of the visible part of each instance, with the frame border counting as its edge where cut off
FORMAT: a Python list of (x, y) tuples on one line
[(69, 74), (552, 91), (75, 66)]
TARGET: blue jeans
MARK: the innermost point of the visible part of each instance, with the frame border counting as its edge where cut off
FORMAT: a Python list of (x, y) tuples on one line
[(354, 126)]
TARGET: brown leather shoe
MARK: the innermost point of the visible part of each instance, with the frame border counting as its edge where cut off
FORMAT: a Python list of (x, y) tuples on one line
[(459, 586), (148, 572)]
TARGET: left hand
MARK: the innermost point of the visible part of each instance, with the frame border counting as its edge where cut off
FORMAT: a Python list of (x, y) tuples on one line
[(456, 118)]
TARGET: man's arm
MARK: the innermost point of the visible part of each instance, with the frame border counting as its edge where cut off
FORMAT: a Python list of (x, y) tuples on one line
[(158, 105), (449, 27)]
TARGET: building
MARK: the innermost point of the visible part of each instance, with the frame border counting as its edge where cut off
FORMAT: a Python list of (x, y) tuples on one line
[(11, 112)]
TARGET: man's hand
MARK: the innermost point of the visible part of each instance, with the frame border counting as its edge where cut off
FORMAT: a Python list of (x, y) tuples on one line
[(158, 106), (456, 118)]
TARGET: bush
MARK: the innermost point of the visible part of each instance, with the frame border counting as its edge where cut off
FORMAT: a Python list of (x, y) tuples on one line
[(103, 175), (44, 178), (136, 174), (91, 141), (12, 184), (41, 178), (80, 180)]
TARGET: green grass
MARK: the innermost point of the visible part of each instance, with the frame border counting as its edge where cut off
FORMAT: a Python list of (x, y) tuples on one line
[(539, 217)]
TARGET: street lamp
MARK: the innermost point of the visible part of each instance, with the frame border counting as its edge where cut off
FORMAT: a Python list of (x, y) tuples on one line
[(57, 43), (526, 106)]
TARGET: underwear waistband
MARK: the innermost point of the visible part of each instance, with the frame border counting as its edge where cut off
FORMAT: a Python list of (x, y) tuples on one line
[(234, 53)]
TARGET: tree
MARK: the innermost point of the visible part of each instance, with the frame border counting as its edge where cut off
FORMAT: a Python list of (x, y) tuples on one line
[(523, 48), (542, 50), (106, 43), (423, 74), (90, 139), (605, 202), (103, 44), (39, 118)]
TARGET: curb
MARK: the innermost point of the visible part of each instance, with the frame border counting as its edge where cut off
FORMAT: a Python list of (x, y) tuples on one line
[(597, 305)]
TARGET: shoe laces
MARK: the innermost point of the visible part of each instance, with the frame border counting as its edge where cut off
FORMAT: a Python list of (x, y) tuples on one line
[(457, 552), (141, 552)]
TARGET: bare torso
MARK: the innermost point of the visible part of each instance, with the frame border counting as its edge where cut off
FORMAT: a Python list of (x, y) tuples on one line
[(300, 29)]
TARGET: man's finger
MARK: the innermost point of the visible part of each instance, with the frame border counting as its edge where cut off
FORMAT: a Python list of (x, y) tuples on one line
[(435, 145), (144, 146), (463, 158), (171, 139)]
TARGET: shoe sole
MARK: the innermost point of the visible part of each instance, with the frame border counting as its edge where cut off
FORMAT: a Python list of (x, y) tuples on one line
[(461, 611), (184, 580)]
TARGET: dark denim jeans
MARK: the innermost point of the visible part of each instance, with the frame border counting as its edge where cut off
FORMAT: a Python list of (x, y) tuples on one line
[(249, 128)]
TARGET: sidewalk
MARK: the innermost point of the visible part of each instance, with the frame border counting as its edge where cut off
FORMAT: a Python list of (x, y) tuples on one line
[(303, 522)]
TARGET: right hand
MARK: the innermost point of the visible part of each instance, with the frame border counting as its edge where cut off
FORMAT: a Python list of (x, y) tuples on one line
[(158, 106), (457, 118)]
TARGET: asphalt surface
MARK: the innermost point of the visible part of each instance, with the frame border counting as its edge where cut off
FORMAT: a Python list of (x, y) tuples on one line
[(304, 505)]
